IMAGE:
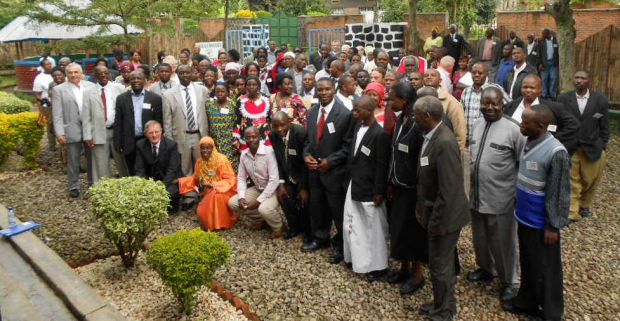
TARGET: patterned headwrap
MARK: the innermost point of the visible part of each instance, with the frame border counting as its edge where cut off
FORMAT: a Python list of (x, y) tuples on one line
[(379, 89), (232, 66), (436, 28), (208, 167)]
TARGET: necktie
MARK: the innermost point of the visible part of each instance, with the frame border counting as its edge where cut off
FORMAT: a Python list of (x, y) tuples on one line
[(154, 151), (320, 125), (191, 122), (285, 149), (105, 105)]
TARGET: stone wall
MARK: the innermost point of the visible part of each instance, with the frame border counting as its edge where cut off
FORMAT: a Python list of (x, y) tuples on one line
[(387, 36)]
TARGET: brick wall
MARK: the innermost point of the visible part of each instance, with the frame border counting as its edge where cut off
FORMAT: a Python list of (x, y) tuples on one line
[(428, 20), (587, 21), (26, 72)]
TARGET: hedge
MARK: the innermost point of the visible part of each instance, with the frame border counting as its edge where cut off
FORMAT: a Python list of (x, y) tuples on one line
[(20, 129), (10, 104), (245, 14), (263, 14)]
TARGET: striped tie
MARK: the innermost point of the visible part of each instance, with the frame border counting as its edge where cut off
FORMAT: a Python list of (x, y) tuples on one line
[(191, 122)]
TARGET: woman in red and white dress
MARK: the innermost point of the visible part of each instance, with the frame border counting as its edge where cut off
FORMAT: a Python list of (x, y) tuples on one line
[(384, 115), (254, 110)]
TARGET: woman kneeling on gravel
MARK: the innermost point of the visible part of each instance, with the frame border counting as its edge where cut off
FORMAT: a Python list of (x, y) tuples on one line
[(216, 181)]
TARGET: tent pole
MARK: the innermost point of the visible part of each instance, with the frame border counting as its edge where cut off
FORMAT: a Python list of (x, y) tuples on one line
[(17, 50)]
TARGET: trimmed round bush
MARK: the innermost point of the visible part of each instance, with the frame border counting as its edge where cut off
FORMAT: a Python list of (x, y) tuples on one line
[(263, 14), (245, 14), (186, 260), (21, 129), (128, 209), (10, 104)]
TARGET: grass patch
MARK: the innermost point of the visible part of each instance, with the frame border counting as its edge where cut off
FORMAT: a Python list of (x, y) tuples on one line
[(25, 96), (8, 81)]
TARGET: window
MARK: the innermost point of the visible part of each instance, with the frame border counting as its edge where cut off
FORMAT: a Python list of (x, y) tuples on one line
[(338, 11)]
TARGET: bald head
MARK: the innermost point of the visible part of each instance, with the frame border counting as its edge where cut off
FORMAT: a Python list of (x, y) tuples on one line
[(534, 79), (281, 117), (427, 91), (365, 102), (251, 130), (543, 114)]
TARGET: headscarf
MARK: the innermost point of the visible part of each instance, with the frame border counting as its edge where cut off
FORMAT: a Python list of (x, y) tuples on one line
[(208, 168), (290, 54), (379, 89), (232, 66), (436, 28)]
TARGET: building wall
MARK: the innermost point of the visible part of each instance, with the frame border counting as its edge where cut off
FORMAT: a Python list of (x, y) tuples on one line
[(387, 36), (428, 20)]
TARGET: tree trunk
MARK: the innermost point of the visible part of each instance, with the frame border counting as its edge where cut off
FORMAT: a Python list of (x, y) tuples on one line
[(563, 16), (413, 22), (226, 7)]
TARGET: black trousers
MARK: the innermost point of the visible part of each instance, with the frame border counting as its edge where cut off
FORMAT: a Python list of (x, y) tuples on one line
[(130, 159), (441, 256), (541, 274), (326, 207), (408, 240), (296, 215), (173, 191)]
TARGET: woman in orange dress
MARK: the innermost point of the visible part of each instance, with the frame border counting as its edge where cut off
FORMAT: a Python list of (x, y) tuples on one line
[(215, 179)]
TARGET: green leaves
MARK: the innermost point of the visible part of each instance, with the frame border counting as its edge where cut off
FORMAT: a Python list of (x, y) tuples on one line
[(10, 104), (20, 128)]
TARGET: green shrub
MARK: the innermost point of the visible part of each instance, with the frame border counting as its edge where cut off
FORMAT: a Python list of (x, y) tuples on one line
[(316, 13), (128, 209), (20, 129), (186, 260), (245, 14), (263, 14), (10, 104)]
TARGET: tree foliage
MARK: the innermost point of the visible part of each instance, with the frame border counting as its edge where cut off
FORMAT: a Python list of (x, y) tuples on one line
[(394, 10), (301, 7)]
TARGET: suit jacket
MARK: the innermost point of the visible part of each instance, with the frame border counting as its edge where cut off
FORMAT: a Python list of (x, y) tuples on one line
[(533, 58), (333, 146), (517, 43), (93, 113), (156, 87), (454, 47), (124, 123), (496, 51), (567, 125), (317, 60), (405, 153), (165, 168), (368, 167), (593, 133), (292, 165), (542, 54), (292, 73), (516, 92), (175, 114), (442, 203), (66, 113)]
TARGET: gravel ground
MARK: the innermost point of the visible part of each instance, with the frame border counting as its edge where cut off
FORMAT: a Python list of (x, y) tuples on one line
[(281, 283)]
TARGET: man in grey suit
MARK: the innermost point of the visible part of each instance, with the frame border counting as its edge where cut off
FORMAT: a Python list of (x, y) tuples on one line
[(68, 101), (442, 206), (185, 117), (298, 72), (164, 71), (98, 124), (490, 52)]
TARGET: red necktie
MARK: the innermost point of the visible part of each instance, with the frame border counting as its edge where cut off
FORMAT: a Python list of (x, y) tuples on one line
[(320, 125), (105, 105)]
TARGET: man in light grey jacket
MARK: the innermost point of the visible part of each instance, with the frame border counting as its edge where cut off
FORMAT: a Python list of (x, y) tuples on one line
[(496, 144), (68, 102)]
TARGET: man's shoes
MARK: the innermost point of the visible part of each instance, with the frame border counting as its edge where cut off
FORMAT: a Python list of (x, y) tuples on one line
[(426, 308), (277, 234), (373, 276), (307, 239), (258, 226), (479, 275), (186, 206), (74, 193), (314, 246), (508, 294), (398, 276), (290, 234), (509, 306), (409, 287), (336, 257), (584, 211)]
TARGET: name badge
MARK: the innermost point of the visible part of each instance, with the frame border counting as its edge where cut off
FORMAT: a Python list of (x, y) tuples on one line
[(534, 53), (315, 101), (533, 166), (331, 128), (211, 173), (292, 152), (424, 161), (269, 80), (224, 111), (458, 41), (552, 128), (555, 45), (365, 150), (403, 148), (597, 115), (494, 43), (146, 106)]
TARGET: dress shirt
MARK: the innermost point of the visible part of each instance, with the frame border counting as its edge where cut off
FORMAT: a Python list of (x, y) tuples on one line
[(78, 92), (346, 101), (519, 111), (192, 96), (321, 74), (360, 136), (165, 86), (109, 102), (138, 101), (549, 43), (514, 78), (427, 138), (487, 54), (504, 65), (530, 47), (582, 101), (261, 168), (271, 57), (327, 108), (299, 81), (308, 93)]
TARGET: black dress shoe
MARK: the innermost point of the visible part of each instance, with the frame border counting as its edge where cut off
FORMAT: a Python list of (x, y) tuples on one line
[(509, 306), (336, 257), (479, 275), (398, 276), (74, 193), (307, 239), (426, 308), (508, 294), (408, 287), (373, 276), (290, 234), (314, 246)]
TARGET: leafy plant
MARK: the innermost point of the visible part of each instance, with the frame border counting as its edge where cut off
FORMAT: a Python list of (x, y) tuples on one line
[(263, 14), (20, 129), (245, 14), (185, 260), (128, 209), (394, 10), (11, 104)]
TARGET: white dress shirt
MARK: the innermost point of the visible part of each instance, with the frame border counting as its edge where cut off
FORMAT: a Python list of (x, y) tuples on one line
[(346, 101), (192, 96), (110, 106), (514, 79), (78, 92), (582, 101), (327, 108), (519, 111)]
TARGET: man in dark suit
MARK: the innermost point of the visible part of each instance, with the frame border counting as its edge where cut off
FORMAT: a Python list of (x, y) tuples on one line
[(549, 64), (330, 126), (564, 126), (288, 142), (454, 42), (318, 58), (298, 72), (591, 108), (531, 49), (133, 110), (442, 206), (158, 158), (490, 52), (514, 40), (514, 77)]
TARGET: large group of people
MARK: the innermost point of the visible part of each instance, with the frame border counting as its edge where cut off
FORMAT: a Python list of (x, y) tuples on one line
[(378, 147)]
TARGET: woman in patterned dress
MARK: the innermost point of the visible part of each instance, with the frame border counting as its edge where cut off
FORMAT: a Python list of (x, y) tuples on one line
[(384, 115), (254, 110), (222, 113), (288, 101)]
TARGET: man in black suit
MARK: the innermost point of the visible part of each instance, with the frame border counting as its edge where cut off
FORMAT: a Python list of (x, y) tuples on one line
[(549, 64), (454, 42), (318, 58), (514, 77), (591, 108), (514, 40), (442, 206), (564, 126), (531, 49), (158, 158), (330, 126), (288, 142), (133, 110)]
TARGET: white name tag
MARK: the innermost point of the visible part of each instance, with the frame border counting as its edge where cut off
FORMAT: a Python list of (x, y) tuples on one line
[(365, 150), (534, 53), (555, 45), (292, 152), (146, 106), (315, 101), (597, 115), (424, 161), (494, 43), (533, 166), (224, 111), (331, 128), (403, 148), (458, 41), (552, 128), (269, 80)]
